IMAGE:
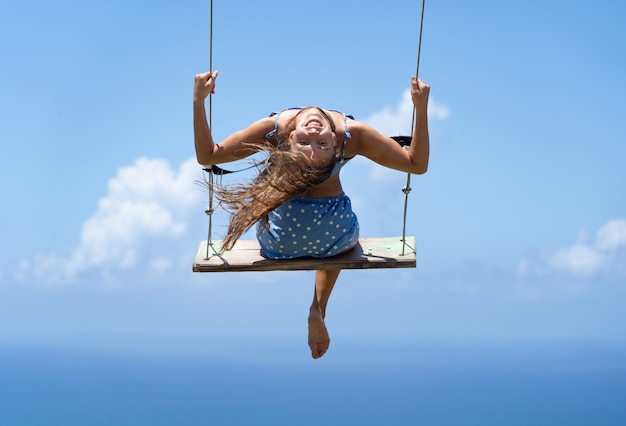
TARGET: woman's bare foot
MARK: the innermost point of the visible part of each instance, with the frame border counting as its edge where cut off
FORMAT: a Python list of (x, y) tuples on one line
[(319, 341)]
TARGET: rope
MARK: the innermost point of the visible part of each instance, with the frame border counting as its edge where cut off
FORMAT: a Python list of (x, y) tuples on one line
[(211, 181), (211, 65), (209, 211), (407, 188)]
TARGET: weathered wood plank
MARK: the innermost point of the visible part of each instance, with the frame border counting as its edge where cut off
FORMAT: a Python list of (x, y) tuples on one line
[(369, 253)]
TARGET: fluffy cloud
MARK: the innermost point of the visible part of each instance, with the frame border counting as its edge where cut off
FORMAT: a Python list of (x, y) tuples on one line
[(398, 122), (147, 201), (602, 255)]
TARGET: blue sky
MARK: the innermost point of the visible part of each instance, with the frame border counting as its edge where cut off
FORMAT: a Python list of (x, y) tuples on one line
[(520, 221)]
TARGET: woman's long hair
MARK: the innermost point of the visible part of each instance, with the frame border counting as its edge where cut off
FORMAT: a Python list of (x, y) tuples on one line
[(282, 176)]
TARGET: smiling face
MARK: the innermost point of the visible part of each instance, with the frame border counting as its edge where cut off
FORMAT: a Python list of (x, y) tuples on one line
[(314, 136)]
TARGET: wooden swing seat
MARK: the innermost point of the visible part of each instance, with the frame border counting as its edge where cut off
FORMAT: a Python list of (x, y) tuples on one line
[(368, 254)]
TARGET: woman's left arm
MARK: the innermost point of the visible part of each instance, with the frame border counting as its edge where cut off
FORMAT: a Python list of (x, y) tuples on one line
[(387, 152), (420, 142)]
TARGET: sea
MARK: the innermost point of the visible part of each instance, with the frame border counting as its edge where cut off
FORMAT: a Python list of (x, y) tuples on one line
[(272, 381)]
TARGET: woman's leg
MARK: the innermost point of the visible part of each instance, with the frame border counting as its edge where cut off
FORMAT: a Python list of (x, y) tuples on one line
[(319, 341)]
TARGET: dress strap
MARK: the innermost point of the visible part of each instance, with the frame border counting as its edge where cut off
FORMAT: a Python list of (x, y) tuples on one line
[(274, 133), (346, 136)]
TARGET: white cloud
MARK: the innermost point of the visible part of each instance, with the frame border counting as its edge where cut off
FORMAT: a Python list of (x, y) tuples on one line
[(602, 255), (611, 236), (146, 201), (579, 259), (392, 122), (398, 122)]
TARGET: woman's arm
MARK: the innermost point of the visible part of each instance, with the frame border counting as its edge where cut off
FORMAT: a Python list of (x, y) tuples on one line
[(385, 151), (420, 143), (235, 146), (204, 84)]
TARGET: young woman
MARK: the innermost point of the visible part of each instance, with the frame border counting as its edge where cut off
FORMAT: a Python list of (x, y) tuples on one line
[(297, 200)]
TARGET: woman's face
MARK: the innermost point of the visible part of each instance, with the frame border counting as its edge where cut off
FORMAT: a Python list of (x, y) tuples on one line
[(314, 137)]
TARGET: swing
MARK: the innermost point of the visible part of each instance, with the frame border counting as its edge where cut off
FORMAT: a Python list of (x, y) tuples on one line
[(246, 255)]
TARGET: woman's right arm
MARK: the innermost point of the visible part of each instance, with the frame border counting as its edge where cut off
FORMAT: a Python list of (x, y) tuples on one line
[(235, 146)]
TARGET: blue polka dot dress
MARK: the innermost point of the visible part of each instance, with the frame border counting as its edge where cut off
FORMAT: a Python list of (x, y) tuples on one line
[(315, 227)]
